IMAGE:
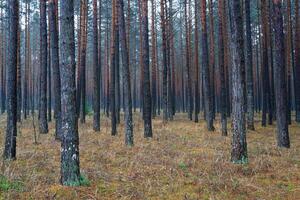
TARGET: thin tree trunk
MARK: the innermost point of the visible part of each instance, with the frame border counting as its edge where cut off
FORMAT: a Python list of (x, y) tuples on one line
[(146, 73), (43, 125), (249, 68), (96, 74)]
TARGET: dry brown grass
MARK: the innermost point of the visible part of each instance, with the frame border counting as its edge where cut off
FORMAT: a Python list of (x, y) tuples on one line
[(182, 161)]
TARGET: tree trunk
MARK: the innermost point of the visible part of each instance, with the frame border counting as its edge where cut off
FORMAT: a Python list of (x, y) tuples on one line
[(223, 105), (297, 61), (146, 73), (112, 70), (70, 171), (11, 127), (279, 74), (239, 144), (43, 125), (249, 68), (126, 78), (206, 72), (96, 74), (55, 66)]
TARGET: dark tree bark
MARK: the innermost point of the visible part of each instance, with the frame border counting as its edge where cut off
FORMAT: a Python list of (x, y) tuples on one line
[(55, 65), (239, 144), (289, 56), (96, 72), (187, 60), (153, 58), (43, 124), (112, 87), (266, 100), (197, 94), (223, 105), (297, 61), (164, 61), (212, 55), (82, 64), (19, 78), (206, 72), (70, 171), (279, 74), (11, 127), (146, 73), (126, 78), (249, 68)]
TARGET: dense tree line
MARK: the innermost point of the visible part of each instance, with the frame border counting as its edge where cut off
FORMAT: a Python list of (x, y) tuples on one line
[(219, 61)]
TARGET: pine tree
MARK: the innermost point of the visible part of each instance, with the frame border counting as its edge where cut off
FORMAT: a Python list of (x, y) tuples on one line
[(70, 170)]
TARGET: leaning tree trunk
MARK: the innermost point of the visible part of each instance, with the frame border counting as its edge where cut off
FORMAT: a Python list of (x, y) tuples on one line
[(70, 171), (43, 124), (239, 144), (11, 127), (279, 74), (126, 77)]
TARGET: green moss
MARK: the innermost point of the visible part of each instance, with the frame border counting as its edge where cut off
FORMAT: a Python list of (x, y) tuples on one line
[(182, 166), (82, 181), (6, 185), (243, 160)]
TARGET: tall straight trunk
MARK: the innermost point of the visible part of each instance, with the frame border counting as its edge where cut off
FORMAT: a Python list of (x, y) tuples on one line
[(96, 74), (126, 77), (27, 61), (43, 124), (239, 143), (117, 72), (83, 46), (164, 61), (146, 73), (289, 56), (206, 72), (249, 68), (112, 88), (153, 58), (70, 170), (172, 59), (101, 79), (265, 63), (271, 100), (197, 94), (4, 68), (49, 71), (279, 74), (55, 66), (11, 127), (187, 60), (212, 55), (2, 60), (297, 61), (223, 105), (19, 77)]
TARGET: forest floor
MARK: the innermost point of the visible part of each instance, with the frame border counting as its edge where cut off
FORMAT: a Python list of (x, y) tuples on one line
[(182, 161)]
